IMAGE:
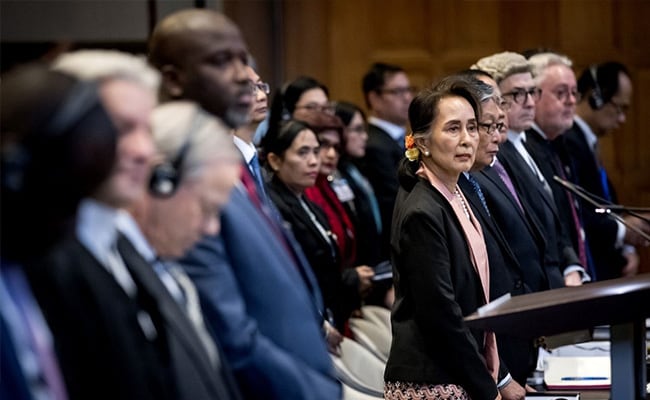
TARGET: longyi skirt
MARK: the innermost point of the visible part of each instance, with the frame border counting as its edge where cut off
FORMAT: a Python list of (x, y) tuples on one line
[(423, 391)]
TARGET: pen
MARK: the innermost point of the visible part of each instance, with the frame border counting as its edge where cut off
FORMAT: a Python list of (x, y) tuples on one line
[(584, 378)]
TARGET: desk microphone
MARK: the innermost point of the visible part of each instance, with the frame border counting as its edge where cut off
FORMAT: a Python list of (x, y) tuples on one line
[(606, 209)]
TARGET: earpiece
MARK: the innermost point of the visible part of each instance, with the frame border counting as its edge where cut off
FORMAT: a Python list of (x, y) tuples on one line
[(595, 100), (166, 176)]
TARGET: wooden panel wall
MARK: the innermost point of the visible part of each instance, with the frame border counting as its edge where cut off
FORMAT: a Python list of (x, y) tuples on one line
[(336, 40)]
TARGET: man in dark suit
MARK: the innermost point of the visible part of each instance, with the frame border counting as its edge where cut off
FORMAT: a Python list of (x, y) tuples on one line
[(553, 114), (46, 118), (512, 72), (605, 96), (118, 329), (387, 91), (259, 295)]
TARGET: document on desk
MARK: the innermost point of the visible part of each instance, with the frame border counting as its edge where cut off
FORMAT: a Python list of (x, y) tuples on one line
[(575, 373), (553, 396)]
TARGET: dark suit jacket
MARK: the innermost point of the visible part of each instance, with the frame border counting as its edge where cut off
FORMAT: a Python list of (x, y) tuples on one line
[(559, 252), (506, 276), (324, 259), (379, 165), (600, 229), (435, 286), (548, 162), (521, 232), (263, 306), (103, 350)]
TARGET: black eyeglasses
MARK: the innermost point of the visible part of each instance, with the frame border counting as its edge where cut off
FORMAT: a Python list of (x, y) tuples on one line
[(263, 86), (519, 96), (490, 129), (313, 107), (399, 91)]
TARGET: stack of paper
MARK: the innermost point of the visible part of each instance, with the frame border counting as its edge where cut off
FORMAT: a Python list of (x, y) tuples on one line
[(575, 373)]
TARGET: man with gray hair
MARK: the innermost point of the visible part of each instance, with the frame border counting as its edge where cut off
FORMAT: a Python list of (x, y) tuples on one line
[(553, 116), (513, 75), (120, 332)]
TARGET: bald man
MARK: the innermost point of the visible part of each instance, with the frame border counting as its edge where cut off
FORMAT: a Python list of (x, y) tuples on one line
[(202, 57), (259, 296)]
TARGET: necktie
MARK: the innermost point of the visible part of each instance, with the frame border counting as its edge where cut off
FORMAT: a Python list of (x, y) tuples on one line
[(503, 174), (194, 313), (39, 335), (479, 192), (582, 249), (254, 165)]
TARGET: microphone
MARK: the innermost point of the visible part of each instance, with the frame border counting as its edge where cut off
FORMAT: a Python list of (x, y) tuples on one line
[(607, 209)]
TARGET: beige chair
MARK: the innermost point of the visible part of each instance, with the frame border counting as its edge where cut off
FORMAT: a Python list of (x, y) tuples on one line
[(352, 394), (359, 369), (375, 338), (379, 315)]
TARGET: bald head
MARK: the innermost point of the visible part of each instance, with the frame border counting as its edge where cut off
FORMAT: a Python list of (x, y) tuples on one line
[(202, 57)]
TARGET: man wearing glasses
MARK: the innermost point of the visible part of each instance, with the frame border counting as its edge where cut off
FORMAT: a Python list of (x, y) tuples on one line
[(606, 93), (388, 93)]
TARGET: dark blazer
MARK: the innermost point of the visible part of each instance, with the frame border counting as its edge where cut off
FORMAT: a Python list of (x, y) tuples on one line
[(263, 306), (435, 286), (103, 350), (368, 233), (506, 276), (379, 165), (549, 163), (522, 234), (559, 252), (600, 229), (324, 259)]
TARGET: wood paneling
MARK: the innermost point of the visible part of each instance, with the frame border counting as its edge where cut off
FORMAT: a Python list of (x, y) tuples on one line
[(336, 41)]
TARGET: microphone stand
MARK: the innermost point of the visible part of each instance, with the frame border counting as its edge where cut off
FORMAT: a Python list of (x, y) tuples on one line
[(607, 209)]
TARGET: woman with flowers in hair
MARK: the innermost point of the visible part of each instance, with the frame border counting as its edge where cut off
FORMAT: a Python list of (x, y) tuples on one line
[(439, 258)]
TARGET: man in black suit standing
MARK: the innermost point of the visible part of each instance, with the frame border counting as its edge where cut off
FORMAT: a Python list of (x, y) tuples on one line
[(605, 96), (388, 93)]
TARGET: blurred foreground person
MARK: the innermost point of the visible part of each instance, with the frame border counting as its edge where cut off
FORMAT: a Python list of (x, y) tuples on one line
[(58, 145)]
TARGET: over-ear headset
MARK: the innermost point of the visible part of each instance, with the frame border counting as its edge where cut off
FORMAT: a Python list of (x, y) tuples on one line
[(16, 158), (166, 176), (595, 100)]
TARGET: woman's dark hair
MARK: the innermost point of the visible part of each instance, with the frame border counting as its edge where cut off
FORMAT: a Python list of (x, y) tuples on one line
[(346, 111), (423, 111), (284, 137), (58, 146), (284, 100)]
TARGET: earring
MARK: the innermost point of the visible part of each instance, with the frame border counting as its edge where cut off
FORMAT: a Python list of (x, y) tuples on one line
[(426, 153)]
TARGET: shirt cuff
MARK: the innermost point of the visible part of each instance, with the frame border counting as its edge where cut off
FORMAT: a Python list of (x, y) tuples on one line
[(584, 276), (620, 234), (506, 380)]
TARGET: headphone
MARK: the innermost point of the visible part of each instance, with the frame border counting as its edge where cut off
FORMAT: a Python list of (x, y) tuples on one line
[(166, 176), (82, 98), (595, 100)]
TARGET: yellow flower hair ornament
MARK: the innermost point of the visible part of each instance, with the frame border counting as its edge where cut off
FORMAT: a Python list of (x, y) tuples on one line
[(412, 152)]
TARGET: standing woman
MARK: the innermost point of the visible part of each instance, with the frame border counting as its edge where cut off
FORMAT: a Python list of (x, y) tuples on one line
[(439, 257)]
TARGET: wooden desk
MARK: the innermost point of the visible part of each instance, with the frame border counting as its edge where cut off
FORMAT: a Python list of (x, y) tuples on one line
[(622, 303)]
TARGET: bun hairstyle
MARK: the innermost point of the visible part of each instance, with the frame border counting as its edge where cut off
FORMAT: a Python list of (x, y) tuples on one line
[(58, 146), (283, 137)]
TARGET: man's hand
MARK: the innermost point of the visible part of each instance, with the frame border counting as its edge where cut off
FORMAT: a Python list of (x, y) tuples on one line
[(573, 279), (333, 339), (632, 266), (632, 237), (365, 274), (513, 391)]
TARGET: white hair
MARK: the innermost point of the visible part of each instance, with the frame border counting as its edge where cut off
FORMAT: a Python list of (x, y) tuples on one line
[(99, 65), (539, 63), (183, 126)]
